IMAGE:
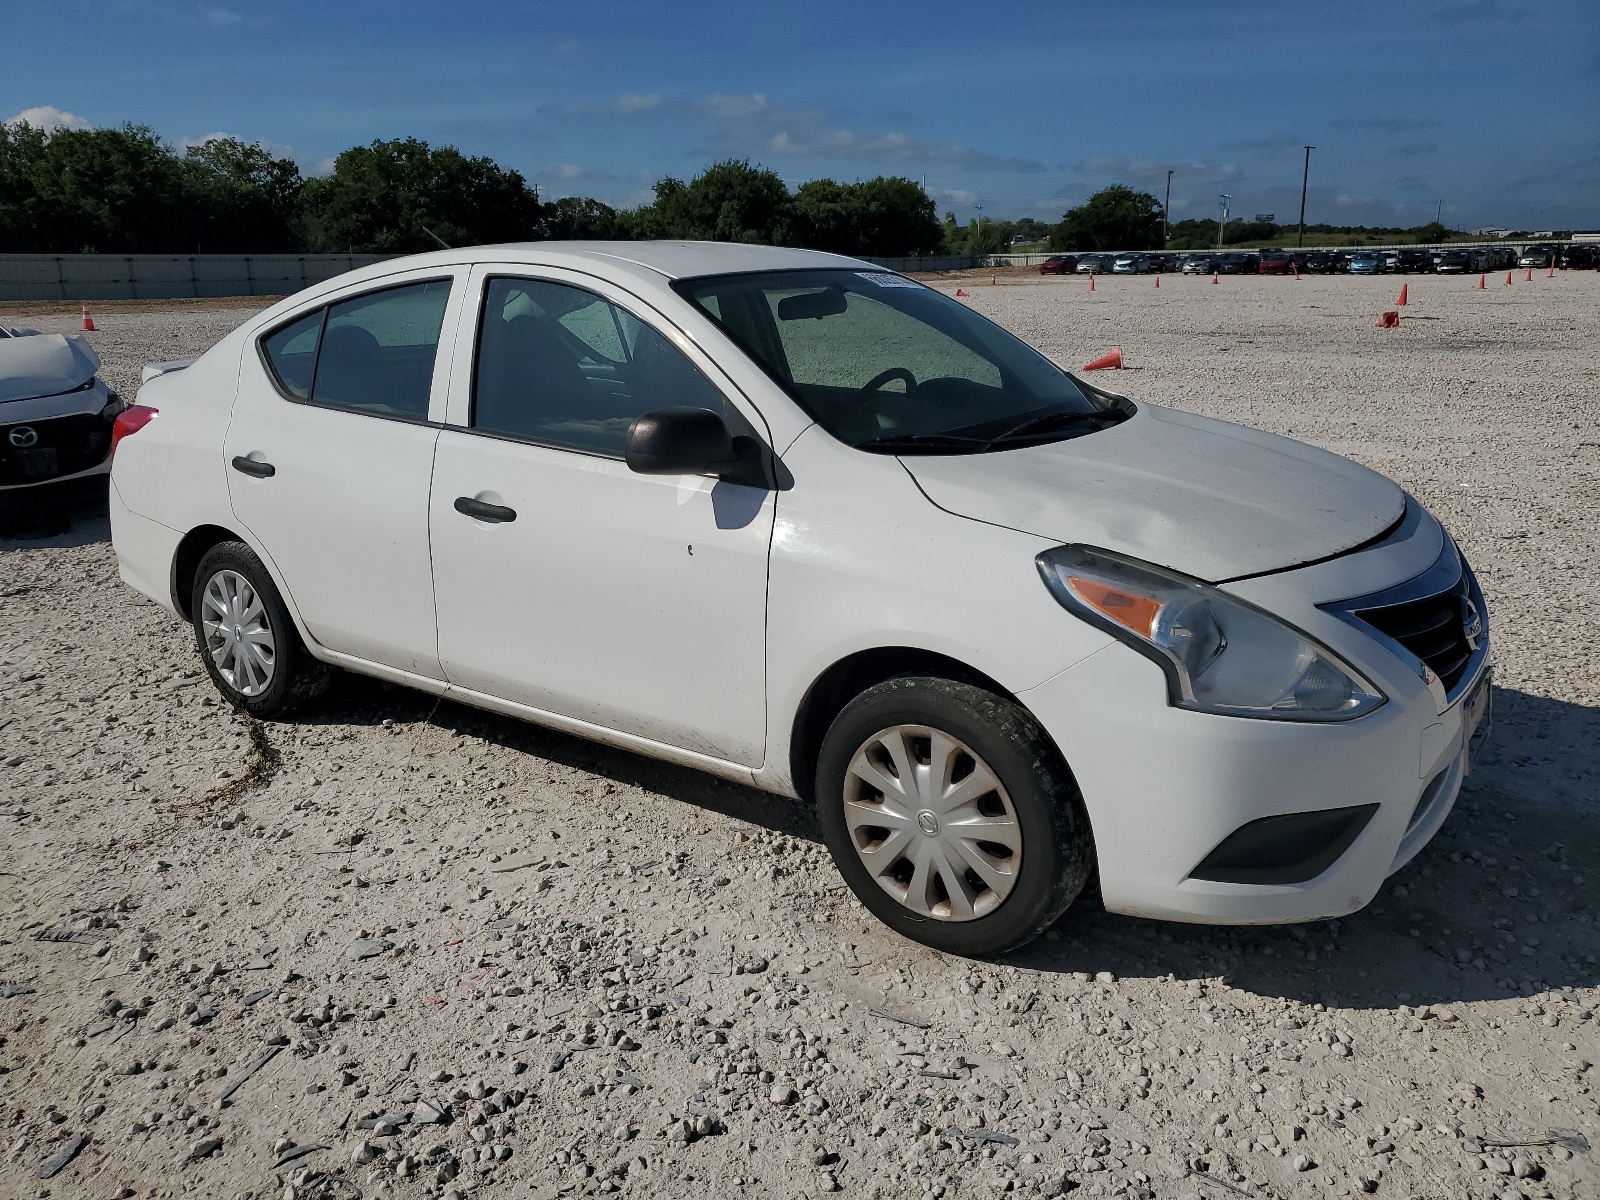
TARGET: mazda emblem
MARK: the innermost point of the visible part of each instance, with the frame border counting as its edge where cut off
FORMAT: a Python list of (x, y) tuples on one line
[(23, 436)]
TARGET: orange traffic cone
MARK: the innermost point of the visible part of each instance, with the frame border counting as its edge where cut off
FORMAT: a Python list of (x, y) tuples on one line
[(88, 321), (1480, 282), (959, 292), (1404, 288), (1110, 360), (1529, 279), (1508, 278), (1213, 277), (1158, 281), (1389, 320), (1091, 281)]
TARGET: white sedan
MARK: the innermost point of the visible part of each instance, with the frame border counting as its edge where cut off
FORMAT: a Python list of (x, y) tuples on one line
[(809, 525)]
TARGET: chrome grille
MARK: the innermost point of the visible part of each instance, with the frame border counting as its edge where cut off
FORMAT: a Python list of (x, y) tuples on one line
[(1434, 628), (1436, 623)]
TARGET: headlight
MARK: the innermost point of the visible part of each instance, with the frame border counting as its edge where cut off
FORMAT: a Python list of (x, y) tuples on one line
[(1220, 654)]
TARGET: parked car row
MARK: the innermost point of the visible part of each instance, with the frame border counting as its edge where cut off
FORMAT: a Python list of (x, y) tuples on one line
[(1443, 260)]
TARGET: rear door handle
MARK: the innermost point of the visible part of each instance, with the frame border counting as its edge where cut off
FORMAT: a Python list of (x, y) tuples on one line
[(484, 511), (251, 466)]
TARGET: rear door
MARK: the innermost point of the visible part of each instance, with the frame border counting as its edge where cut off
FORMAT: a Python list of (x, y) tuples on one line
[(329, 457)]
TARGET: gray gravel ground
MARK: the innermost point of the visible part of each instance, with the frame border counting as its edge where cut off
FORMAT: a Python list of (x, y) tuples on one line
[(400, 948)]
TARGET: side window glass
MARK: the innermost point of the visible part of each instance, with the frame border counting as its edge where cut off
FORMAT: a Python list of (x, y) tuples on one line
[(378, 350), (559, 365), (292, 353)]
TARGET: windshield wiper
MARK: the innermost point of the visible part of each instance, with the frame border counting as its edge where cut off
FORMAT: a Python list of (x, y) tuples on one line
[(893, 443), (1052, 421)]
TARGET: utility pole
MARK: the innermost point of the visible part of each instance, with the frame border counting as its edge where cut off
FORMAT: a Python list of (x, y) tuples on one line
[(1166, 207), (1224, 225), (1305, 176), (978, 245)]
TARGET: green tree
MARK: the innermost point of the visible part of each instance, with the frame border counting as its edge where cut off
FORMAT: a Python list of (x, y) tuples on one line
[(113, 190), (577, 217), (978, 236), (245, 199), (885, 217), (397, 196), (1114, 218), (730, 201)]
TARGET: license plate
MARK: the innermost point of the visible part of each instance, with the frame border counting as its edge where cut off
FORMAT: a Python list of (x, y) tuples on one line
[(1477, 718), (36, 464)]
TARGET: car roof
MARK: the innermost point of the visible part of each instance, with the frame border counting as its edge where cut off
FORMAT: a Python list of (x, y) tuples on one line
[(674, 260)]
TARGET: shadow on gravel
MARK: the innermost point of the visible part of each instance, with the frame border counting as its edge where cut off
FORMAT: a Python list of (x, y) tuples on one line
[(52, 526), (1496, 906), (1492, 908), (361, 701)]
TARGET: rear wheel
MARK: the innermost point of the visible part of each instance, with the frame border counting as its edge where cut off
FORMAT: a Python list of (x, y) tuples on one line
[(245, 636), (951, 816)]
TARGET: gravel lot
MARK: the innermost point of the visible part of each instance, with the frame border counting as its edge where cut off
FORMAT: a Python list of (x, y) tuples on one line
[(401, 948)]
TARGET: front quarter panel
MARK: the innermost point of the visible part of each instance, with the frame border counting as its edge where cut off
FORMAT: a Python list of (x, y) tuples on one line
[(861, 560)]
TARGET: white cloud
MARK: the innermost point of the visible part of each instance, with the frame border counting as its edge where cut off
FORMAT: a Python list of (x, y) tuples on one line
[(211, 14), (749, 123), (49, 118)]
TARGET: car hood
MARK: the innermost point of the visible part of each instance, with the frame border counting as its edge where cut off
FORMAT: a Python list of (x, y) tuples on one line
[(44, 364), (1211, 499)]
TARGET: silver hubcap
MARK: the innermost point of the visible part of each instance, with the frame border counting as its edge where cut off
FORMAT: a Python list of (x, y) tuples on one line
[(932, 823), (238, 634)]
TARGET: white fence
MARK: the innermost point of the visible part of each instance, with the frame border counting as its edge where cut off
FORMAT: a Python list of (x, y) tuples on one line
[(77, 277)]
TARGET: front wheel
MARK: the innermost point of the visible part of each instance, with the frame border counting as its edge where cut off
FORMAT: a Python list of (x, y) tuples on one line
[(951, 815), (245, 636)]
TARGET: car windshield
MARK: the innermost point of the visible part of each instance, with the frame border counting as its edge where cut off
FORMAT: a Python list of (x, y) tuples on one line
[(888, 365)]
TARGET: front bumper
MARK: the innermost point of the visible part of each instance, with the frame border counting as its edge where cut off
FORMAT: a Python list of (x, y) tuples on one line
[(1165, 787)]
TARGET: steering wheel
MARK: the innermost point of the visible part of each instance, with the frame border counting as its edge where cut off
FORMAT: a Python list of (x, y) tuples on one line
[(871, 386)]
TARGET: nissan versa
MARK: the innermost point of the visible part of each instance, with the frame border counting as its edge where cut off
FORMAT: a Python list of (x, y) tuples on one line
[(807, 524)]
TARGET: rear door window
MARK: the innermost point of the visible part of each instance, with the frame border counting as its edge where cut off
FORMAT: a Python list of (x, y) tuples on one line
[(378, 351), (372, 353)]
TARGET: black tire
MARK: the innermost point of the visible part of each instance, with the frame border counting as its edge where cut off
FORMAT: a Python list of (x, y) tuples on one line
[(1057, 846), (296, 677)]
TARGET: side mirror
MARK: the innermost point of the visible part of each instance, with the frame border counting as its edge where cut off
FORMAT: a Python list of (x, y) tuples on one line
[(678, 441)]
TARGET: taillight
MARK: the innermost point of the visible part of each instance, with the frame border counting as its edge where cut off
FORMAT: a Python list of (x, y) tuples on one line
[(130, 420)]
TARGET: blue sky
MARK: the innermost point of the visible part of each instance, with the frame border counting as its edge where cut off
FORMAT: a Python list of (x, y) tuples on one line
[(1488, 106)]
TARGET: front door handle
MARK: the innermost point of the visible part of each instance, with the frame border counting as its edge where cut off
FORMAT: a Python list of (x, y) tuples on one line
[(251, 466), (484, 511)]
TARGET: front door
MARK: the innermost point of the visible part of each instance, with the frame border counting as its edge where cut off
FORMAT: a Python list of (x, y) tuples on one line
[(329, 454), (564, 581)]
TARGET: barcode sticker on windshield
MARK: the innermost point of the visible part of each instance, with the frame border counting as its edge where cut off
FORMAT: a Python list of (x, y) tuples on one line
[(884, 279)]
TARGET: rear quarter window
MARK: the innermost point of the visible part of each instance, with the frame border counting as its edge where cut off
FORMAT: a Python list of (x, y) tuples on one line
[(291, 353)]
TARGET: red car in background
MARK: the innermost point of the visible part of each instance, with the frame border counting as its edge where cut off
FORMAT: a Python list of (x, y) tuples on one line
[(1275, 262), (1059, 264)]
